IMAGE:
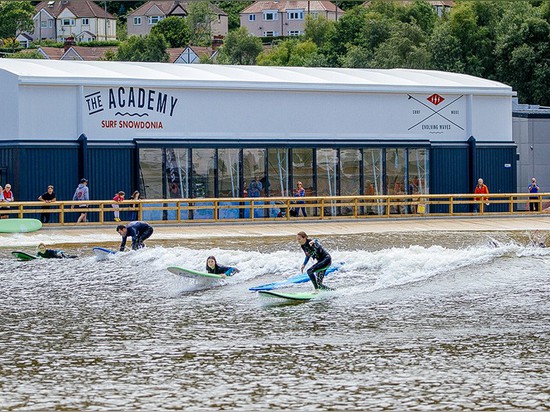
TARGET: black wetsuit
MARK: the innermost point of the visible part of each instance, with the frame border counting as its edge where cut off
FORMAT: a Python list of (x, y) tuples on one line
[(138, 231), (52, 254), (316, 272), (220, 269)]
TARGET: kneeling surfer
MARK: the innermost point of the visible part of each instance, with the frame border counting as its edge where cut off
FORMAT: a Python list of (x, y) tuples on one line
[(138, 231), (212, 266), (314, 250)]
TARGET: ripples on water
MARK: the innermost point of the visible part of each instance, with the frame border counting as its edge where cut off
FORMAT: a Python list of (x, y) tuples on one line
[(418, 321)]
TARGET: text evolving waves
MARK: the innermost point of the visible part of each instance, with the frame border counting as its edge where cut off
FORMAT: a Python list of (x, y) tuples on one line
[(129, 98)]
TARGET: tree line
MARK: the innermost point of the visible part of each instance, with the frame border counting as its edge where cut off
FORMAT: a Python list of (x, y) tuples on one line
[(506, 41)]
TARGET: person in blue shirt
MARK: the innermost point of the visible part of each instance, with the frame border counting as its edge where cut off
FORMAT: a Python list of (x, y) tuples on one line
[(314, 250), (138, 231), (212, 266), (533, 200)]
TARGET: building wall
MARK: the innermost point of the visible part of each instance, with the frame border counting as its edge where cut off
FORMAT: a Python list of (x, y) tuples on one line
[(531, 133)]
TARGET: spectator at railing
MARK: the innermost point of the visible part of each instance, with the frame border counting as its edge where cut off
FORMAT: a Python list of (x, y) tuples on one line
[(47, 197), (480, 189), (533, 200), (8, 197)]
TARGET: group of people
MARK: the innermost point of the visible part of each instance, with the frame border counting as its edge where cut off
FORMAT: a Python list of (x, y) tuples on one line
[(482, 189), (81, 193)]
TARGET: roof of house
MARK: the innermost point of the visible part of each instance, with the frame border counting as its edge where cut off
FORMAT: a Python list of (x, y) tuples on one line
[(80, 8), (90, 53), (210, 76), (167, 6), (435, 3), (314, 6), (54, 53)]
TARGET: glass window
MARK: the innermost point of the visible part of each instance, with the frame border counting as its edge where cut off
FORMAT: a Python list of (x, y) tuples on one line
[(176, 173), (137, 21), (270, 15), (294, 32), (327, 163), (418, 171), (295, 15), (302, 169), (278, 173), (150, 166), (254, 172), (350, 172), (373, 177), (155, 19), (395, 175), (251, 17), (44, 24), (270, 33), (85, 21), (203, 172), (229, 179)]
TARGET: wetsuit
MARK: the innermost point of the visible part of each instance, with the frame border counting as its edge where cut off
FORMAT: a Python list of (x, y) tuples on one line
[(52, 254), (316, 272), (138, 231), (220, 269)]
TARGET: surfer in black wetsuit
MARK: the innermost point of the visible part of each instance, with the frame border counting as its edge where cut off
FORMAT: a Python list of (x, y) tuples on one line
[(212, 266), (51, 253), (138, 231), (313, 249)]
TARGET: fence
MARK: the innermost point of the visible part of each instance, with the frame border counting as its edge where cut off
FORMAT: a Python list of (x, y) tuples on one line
[(278, 208)]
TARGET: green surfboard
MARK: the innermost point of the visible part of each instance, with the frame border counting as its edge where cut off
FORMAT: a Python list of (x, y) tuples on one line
[(193, 274), (296, 296), (22, 255), (19, 225)]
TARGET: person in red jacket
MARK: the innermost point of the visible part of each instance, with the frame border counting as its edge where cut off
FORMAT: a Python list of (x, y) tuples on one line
[(481, 189)]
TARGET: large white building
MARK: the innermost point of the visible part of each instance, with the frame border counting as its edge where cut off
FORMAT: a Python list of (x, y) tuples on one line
[(208, 130)]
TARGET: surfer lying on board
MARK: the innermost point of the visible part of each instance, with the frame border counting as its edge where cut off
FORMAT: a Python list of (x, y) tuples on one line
[(314, 250), (51, 253), (138, 231), (212, 266)]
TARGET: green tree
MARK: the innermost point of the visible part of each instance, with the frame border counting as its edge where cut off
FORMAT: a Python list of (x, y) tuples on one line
[(422, 14), (26, 54), (319, 30), (405, 48), (151, 48), (15, 18), (523, 52), (292, 52), (233, 10), (175, 30), (199, 18), (240, 47)]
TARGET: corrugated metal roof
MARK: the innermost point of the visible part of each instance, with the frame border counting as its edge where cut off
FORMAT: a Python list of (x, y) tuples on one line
[(247, 77)]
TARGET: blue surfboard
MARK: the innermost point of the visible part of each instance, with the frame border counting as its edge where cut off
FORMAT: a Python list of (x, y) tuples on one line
[(301, 278), (103, 253)]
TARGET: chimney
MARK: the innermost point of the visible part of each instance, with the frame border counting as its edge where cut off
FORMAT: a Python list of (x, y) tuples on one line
[(69, 42), (217, 41)]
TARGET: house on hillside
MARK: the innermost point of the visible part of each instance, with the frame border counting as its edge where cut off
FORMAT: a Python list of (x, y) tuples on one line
[(83, 20), (141, 20), (285, 18), (194, 54), (440, 6)]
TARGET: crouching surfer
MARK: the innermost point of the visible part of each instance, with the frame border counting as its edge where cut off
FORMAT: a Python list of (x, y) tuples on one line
[(314, 250), (212, 266), (138, 231), (51, 253)]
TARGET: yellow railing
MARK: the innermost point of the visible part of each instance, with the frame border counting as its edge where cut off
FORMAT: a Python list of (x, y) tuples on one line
[(280, 208)]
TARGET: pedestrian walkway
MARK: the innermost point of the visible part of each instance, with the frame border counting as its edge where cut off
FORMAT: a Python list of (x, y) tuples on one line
[(93, 235)]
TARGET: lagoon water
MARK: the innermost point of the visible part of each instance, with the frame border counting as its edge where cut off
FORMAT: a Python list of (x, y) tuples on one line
[(418, 321)]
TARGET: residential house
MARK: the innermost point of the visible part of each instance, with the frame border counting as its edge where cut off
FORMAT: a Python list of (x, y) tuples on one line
[(194, 54), (51, 53), (141, 20), (285, 18), (440, 6), (83, 20), (87, 53), (24, 40)]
